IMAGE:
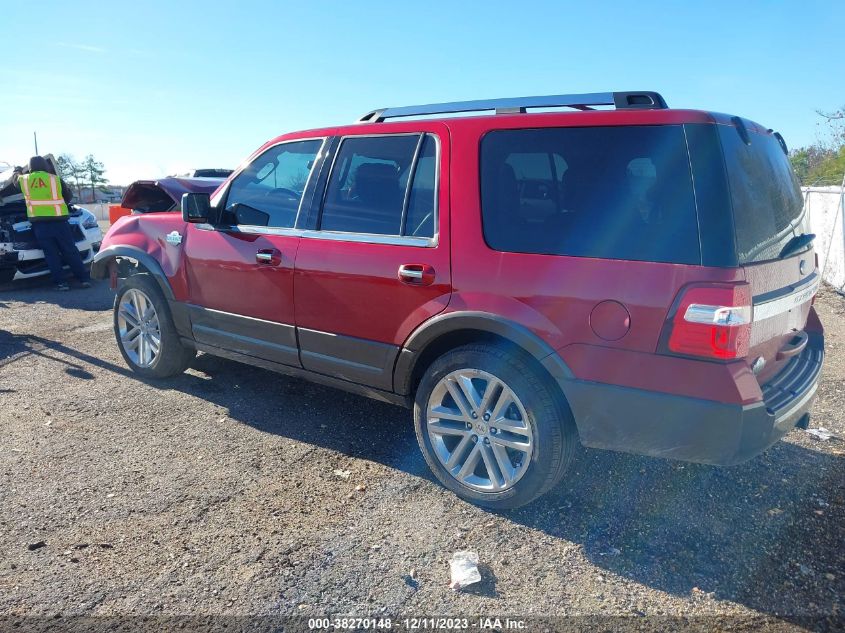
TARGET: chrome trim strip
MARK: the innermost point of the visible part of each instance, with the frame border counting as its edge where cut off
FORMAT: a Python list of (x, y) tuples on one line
[(239, 316), (335, 236), (775, 307), (368, 238), (262, 230)]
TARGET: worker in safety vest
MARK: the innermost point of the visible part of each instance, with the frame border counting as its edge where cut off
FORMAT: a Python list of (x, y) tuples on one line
[(47, 199)]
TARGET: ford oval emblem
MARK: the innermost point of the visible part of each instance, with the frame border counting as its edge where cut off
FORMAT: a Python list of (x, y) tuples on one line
[(802, 266)]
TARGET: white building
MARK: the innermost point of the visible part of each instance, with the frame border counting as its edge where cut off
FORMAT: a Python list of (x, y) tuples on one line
[(825, 209)]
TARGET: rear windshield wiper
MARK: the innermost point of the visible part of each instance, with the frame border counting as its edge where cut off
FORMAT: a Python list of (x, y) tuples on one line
[(797, 243)]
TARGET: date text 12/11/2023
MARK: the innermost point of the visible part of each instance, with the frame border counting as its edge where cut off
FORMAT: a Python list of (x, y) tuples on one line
[(417, 623)]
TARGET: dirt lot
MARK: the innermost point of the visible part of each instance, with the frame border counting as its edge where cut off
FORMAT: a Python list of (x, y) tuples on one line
[(217, 493)]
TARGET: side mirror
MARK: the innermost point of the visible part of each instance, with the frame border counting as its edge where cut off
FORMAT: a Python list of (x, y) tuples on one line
[(196, 207)]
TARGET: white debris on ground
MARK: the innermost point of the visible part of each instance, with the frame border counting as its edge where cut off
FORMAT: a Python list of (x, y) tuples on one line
[(464, 569), (821, 433)]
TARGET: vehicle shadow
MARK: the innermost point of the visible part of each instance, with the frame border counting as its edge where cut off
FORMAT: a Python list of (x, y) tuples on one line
[(41, 290), (767, 534), (16, 346)]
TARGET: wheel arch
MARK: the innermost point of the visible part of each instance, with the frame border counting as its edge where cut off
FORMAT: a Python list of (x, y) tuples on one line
[(100, 265), (447, 331)]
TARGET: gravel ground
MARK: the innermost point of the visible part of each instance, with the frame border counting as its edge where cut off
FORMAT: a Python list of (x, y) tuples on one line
[(231, 490)]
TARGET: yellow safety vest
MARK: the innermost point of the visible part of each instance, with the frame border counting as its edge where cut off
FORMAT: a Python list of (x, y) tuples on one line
[(43, 193)]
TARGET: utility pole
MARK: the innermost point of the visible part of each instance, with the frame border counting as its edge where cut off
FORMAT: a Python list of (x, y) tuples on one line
[(35, 138)]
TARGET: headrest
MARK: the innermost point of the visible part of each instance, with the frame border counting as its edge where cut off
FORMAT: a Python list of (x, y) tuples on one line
[(374, 180)]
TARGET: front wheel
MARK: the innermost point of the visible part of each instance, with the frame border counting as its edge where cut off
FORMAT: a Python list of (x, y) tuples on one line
[(491, 427), (145, 332)]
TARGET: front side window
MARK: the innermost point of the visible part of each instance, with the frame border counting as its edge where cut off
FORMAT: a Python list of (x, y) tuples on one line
[(610, 192), (376, 187), (268, 192)]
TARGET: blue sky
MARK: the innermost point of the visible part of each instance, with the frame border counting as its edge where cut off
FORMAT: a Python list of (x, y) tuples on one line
[(156, 87)]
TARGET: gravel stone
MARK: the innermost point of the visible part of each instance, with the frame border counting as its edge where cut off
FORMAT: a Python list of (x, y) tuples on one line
[(167, 492)]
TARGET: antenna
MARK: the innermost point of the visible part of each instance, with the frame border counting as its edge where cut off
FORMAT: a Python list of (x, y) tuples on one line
[(35, 138)]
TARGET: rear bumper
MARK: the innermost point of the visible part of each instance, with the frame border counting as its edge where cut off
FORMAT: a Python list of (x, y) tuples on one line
[(689, 429)]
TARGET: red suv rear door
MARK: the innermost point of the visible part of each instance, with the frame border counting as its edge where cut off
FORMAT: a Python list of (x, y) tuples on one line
[(376, 263), (240, 269), (773, 244)]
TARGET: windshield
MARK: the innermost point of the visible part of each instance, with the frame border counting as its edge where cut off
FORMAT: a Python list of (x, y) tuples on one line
[(766, 196)]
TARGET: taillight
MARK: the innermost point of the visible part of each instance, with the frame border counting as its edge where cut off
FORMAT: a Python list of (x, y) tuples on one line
[(713, 321)]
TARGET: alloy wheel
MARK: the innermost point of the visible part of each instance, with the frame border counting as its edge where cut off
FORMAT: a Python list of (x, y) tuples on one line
[(139, 328), (479, 430)]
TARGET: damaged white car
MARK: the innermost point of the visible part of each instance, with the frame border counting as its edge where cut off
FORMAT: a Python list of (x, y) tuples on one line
[(20, 256)]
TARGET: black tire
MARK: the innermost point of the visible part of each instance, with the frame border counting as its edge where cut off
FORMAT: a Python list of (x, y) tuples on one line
[(173, 357), (554, 433)]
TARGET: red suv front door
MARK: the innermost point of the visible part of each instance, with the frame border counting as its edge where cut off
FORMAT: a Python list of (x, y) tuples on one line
[(377, 265), (240, 270)]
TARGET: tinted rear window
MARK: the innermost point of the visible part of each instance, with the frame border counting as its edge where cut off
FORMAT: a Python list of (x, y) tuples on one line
[(609, 192), (765, 193)]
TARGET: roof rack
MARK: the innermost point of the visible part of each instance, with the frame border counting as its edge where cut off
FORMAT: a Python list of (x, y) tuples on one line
[(641, 100)]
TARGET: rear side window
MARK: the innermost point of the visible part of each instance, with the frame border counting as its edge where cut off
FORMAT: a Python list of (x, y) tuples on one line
[(765, 194), (608, 192), (419, 220), (383, 186)]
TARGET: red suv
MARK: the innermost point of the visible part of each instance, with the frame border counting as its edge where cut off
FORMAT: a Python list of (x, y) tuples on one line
[(620, 273)]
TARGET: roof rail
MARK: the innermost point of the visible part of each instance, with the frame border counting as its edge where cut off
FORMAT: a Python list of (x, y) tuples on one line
[(639, 100)]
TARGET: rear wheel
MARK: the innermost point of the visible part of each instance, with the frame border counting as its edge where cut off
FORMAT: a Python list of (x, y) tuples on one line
[(145, 332), (491, 426)]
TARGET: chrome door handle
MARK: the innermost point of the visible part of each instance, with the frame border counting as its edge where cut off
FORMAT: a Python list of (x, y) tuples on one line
[(416, 274), (271, 256), (410, 273)]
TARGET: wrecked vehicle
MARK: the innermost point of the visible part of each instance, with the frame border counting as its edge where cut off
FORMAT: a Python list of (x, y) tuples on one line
[(165, 194), (20, 255), (156, 196), (213, 172)]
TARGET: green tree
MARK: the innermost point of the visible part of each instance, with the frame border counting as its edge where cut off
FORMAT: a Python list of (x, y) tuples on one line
[(823, 162), (71, 172), (94, 174)]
